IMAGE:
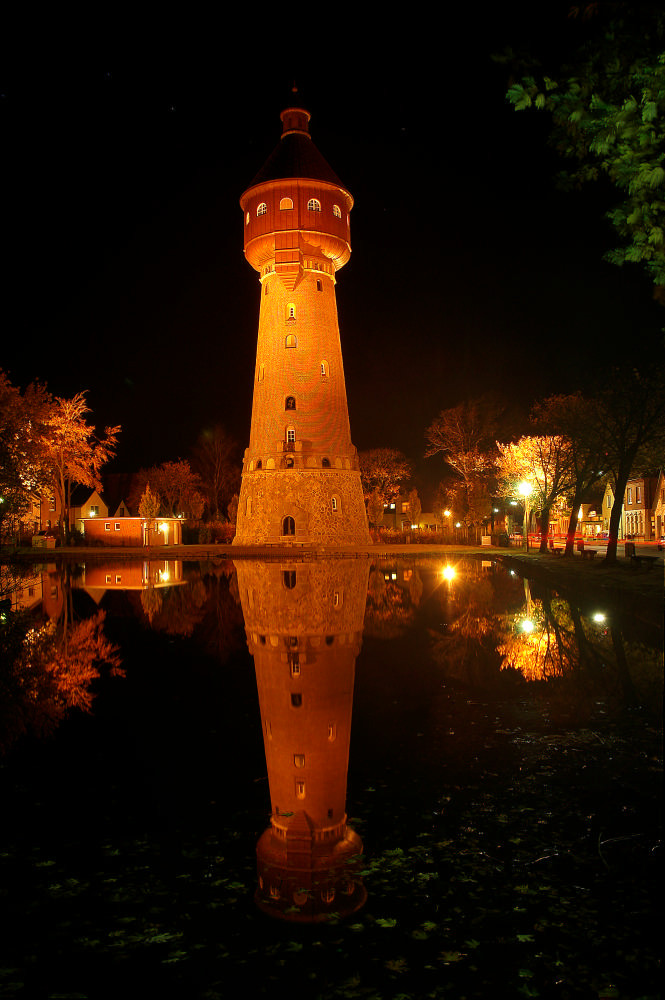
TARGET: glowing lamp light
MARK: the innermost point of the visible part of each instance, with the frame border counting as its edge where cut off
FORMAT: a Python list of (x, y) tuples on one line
[(446, 513), (599, 617), (525, 489), (527, 625), (458, 524), (164, 527)]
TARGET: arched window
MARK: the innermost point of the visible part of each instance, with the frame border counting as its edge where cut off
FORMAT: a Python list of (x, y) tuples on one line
[(289, 528), (288, 462), (334, 503), (291, 310), (259, 464), (319, 285), (337, 212), (314, 205), (262, 209), (291, 340), (289, 576), (325, 463), (324, 369), (290, 403), (286, 203)]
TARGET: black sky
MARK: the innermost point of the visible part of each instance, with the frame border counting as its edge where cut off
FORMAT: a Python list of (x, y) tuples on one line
[(123, 270)]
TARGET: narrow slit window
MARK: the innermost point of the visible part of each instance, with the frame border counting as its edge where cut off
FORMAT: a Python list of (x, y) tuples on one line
[(324, 369)]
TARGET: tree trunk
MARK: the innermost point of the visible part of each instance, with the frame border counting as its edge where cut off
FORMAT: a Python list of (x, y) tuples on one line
[(544, 528), (622, 477), (572, 526)]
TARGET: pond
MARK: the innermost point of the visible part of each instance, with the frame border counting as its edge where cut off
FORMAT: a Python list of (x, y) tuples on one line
[(354, 778)]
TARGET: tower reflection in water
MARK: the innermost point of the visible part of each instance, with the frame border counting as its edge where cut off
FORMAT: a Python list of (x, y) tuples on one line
[(304, 624)]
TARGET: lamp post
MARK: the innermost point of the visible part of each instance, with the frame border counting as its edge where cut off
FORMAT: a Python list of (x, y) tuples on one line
[(525, 490)]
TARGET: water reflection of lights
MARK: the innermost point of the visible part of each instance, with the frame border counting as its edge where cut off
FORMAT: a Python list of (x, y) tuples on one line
[(449, 573)]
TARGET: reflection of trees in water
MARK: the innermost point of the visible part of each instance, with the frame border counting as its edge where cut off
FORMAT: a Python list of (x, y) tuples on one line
[(49, 667), (206, 606), (391, 603), (545, 638)]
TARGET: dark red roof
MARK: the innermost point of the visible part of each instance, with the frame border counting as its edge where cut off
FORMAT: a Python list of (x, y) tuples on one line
[(296, 155)]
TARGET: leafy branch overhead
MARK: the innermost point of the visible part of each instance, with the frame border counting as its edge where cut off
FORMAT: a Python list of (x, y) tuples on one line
[(608, 113)]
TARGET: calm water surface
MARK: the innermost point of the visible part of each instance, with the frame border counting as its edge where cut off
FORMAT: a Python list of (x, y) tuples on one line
[(362, 777)]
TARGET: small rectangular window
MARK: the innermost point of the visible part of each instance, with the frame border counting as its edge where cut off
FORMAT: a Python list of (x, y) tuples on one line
[(118, 578), (107, 526), (298, 760), (108, 578), (117, 526)]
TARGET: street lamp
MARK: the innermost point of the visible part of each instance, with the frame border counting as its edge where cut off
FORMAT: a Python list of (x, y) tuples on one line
[(525, 490)]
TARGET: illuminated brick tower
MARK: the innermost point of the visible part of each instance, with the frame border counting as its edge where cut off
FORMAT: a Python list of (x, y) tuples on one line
[(300, 479), (304, 623)]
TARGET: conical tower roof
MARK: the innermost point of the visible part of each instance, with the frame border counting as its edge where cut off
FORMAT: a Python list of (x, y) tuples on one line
[(296, 155)]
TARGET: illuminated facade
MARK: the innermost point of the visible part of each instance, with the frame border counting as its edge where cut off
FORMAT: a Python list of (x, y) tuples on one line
[(301, 479), (304, 626)]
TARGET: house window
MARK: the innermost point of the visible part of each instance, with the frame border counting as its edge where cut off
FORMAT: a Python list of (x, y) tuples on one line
[(291, 311), (288, 528), (638, 494), (285, 204), (296, 700), (295, 666), (51, 503), (327, 895), (94, 510), (298, 760), (314, 205), (300, 789), (107, 526), (262, 209), (290, 341), (337, 212), (324, 369), (290, 403), (290, 434), (259, 464), (108, 578), (288, 462), (117, 526), (609, 501), (118, 578)]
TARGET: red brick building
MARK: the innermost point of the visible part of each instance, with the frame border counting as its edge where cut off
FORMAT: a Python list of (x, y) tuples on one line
[(131, 531), (301, 478)]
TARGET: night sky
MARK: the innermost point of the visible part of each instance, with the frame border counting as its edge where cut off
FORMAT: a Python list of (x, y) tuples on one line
[(123, 271)]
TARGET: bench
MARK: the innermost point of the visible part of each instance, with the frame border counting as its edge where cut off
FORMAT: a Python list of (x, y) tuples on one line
[(588, 553), (648, 560)]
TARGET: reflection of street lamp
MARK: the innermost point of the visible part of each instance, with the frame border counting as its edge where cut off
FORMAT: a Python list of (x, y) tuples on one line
[(525, 490)]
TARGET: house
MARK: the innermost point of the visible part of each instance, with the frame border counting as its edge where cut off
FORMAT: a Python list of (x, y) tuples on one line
[(638, 501), (658, 509), (131, 531), (86, 503)]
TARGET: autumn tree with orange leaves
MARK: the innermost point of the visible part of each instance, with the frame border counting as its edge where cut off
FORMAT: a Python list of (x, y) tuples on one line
[(72, 454), (544, 462)]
